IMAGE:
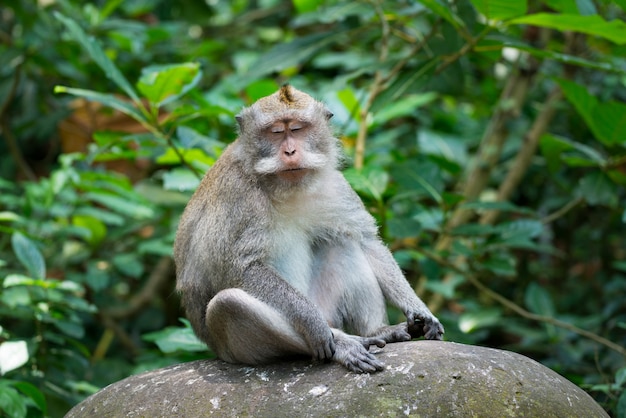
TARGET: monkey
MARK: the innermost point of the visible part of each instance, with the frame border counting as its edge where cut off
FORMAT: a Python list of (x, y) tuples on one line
[(276, 255)]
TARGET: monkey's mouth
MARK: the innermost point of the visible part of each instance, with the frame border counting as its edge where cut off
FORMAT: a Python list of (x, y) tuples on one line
[(293, 174)]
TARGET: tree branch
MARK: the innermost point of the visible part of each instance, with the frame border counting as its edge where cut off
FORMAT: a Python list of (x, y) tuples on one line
[(380, 82), (5, 130), (518, 309), (161, 273), (525, 153)]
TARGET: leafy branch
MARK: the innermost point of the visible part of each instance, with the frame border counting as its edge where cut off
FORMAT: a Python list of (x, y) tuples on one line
[(518, 309), (381, 81), (159, 85)]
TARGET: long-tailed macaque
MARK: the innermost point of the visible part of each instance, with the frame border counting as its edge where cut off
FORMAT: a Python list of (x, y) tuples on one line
[(277, 256)]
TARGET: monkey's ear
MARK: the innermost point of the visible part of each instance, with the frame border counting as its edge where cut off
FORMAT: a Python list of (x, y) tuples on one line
[(329, 114), (239, 120)]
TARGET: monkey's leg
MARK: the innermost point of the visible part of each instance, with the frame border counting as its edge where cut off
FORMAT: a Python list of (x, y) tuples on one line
[(398, 291), (245, 330)]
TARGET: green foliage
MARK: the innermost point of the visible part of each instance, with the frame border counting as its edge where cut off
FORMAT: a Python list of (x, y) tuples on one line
[(487, 137)]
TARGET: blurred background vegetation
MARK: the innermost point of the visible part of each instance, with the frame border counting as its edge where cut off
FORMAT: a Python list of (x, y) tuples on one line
[(488, 137)]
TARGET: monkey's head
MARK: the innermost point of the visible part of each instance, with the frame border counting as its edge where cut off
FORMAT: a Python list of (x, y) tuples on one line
[(286, 137)]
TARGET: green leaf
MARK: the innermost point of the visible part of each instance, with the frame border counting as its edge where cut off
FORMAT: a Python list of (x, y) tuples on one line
[(180, 179), (304, 6), (195, 155), (13, 297), (443, 9), (500, 265), (121, 205), (162, 84), (472, 321), (292, 54), (563, 6), (620, 377), (33, 393), (499, 206), (621, 405), (97, 229), (586, 7), (553, 149), (350, 102), (614, 31), (500, 9), (335, 13), (129, 264), (190, 138), (407, 105), (408, 80), (156, 247), (96, 53), (446, 288), (597, 189), (403, 227), (607, 121), (538, 300), (13, 354), (520, 228), (97, 278), (447, 147), (68, 327), (9, 217), (102, 215), (106, 99), (560, 57), (261, 88), (11, 402), (473, 230), (371, 181), (29, 255), (172, 339), (419, 178)]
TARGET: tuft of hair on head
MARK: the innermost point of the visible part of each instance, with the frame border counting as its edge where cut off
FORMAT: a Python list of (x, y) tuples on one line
[(285, 95)]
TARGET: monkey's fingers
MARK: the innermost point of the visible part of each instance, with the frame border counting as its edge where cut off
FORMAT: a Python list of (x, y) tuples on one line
[(362, 362), (324, 351), (433, 330), (378, 342)]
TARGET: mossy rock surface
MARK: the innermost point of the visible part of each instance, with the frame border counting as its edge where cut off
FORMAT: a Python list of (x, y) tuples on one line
[(421, 379)]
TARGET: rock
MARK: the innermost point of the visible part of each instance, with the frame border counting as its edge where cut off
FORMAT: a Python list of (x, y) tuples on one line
[(421, 379)]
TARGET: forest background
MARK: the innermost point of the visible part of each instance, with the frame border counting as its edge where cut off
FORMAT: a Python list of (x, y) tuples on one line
[(488, 138)]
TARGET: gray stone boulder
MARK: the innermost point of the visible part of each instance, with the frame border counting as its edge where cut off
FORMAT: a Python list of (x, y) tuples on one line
[(421, 379)]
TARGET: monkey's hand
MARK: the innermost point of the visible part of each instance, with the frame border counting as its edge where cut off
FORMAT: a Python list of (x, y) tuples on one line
[(352, 352), (322, 344), (427, 325)]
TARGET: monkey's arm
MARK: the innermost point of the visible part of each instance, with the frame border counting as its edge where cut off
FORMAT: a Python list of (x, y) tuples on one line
[(420, 321), (265, 283)]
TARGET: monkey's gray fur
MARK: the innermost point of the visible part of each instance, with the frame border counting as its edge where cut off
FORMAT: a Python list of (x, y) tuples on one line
[(277, 256)]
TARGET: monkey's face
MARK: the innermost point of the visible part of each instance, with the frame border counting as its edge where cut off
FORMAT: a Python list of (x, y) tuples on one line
[(286, 138), (290, 155)]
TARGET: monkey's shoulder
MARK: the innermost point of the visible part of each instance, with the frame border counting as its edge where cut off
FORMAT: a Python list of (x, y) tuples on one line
[(228, 184)]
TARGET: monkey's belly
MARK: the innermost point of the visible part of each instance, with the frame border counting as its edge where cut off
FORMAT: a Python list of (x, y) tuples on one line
[(344, 287)]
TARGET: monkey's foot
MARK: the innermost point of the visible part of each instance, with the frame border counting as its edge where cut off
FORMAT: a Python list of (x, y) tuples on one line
[(352, 352)]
